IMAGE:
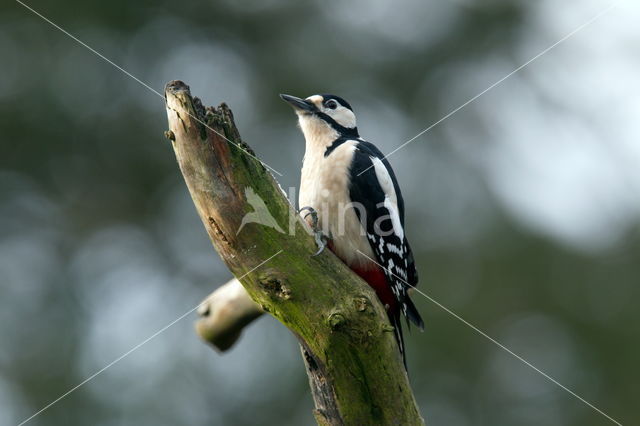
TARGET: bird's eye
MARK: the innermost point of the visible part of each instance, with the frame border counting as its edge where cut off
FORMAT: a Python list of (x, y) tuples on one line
[(331, 104)]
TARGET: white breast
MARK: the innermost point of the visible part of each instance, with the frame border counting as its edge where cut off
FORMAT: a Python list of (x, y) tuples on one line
[(325, 187)]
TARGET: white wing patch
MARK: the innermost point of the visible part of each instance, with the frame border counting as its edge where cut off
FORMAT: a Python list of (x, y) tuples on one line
[(390, 199)]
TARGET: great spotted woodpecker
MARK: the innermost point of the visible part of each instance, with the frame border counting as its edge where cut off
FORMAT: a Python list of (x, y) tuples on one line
[(350, 195)]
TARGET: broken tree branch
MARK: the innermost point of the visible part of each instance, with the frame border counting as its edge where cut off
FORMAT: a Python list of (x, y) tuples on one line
[(225, 313), (354, 366)]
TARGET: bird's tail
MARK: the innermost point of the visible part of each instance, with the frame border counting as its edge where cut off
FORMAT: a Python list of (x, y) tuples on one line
[(411, 314)]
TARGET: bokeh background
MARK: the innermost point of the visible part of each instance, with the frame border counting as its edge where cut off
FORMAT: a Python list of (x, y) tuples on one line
[(523, 208)]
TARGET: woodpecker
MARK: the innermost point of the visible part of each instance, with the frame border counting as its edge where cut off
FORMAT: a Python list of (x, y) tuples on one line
[(350, 196)]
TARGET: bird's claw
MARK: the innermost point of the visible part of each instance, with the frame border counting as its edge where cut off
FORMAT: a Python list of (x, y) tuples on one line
[(319, 236), (314, 216), (321, 239)]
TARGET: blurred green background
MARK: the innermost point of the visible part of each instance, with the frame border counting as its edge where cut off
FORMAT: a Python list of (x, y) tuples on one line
[(523, 207)]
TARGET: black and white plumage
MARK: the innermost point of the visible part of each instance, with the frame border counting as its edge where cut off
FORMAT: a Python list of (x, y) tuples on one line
[(353, 190)]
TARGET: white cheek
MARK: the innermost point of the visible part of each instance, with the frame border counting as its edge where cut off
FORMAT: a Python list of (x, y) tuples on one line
[(344, 117)]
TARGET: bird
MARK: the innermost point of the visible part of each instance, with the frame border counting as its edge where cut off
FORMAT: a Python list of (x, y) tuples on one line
[(350, 196)]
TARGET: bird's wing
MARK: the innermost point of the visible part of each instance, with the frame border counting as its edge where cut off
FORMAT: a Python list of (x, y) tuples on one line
[(378, 192)]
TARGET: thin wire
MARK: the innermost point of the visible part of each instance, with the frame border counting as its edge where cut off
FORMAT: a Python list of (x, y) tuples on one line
[(142, 83), (130, 351), (497, 343), (562, 40)]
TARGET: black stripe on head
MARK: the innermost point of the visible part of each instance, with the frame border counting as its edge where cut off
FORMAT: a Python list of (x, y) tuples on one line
[(343, 131), (338, 99)]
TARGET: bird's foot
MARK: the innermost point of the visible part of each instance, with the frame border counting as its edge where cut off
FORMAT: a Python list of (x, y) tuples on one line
[(314, 216), (321, 241), (320, 237)]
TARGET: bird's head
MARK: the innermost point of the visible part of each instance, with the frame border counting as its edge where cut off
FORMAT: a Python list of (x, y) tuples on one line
[(324, 115)]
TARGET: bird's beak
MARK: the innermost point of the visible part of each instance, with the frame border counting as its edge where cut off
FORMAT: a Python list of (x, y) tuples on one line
[(299, 104)]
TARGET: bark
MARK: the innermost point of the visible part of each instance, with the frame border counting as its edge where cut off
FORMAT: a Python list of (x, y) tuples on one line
[(354, 367)]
